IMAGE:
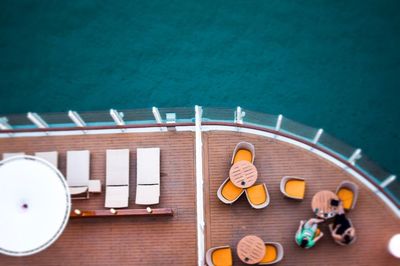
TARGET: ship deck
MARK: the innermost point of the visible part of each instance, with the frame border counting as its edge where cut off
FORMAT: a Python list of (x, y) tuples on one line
[(172, 240)]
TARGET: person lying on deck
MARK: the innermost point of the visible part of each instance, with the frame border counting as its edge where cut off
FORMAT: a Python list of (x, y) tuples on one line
[(342, 231), (306, 235)]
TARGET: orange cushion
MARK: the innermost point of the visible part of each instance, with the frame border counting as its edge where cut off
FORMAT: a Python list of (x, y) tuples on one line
[(346, 196), (230, 191), (257, 194), (271, 253), (222, 257), (243, 155), (295, 188)]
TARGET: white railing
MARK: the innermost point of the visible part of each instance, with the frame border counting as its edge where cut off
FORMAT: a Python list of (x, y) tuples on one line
[(166, 118)]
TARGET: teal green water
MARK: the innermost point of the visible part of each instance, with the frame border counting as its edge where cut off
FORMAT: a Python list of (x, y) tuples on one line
[(329, 64)]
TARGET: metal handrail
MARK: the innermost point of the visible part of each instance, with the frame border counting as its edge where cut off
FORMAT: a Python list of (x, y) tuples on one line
[(219, 116)]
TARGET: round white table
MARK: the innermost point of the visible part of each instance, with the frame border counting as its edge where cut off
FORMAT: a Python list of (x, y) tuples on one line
[(34, 205)]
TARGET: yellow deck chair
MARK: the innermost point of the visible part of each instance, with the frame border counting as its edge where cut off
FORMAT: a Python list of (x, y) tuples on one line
[(228, 193), (346, 196), (258, 196), (348, 193), (244, 151), (219, 256), (293, 187), (273, 253), (243, 155)]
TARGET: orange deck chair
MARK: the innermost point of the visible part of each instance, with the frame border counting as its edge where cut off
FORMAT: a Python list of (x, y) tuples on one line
[(219, 256), (258, 196), (293, 187), (228, 193), (348, 193), (273, 253)]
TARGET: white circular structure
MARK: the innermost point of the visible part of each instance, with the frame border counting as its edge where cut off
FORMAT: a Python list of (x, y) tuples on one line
[(34, 205), (394, 245)]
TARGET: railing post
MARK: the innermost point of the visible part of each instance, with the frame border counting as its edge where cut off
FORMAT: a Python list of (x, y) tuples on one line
[(388, 181), (279, 123), (239, 114), (318, 135), (118, 118), (355, 156), (37, 120), (77, 119), (4, 125), (157, 115)]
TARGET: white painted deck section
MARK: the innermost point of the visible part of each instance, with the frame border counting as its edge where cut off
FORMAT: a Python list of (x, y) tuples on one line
[(199, 188), (94, 132)]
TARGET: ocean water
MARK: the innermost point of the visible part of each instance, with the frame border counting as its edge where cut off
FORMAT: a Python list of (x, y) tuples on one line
[(329, 64)]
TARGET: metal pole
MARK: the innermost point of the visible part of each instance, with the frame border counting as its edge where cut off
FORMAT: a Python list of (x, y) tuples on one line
[(239, 114), (157, 115), (4, 125), (388, 181), (355, 156), (37, 120), (279, 123), (117, 116), (76, 118), (318, 135)]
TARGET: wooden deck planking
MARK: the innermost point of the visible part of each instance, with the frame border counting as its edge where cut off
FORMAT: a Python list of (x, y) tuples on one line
[(123, 240), (172, 240), (226, 224)]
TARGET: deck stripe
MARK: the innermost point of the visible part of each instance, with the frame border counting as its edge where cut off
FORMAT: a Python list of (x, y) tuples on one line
[(92, 132), (199, 188)]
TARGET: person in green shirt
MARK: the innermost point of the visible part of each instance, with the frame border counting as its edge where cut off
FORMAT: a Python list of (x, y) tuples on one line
[(306, 235)]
